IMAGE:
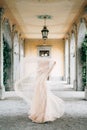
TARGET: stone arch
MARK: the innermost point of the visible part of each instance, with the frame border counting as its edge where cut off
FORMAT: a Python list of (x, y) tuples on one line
[(7, 55), (81, 34), (72, 59)]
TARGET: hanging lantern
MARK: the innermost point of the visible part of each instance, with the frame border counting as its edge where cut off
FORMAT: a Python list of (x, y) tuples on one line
[(44, 31)]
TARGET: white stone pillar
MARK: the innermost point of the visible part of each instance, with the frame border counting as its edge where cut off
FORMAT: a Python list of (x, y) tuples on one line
[(74, 33), (81, 35), (66, 59), (2, 89), (76, 80), (68, 80), (72, 58)]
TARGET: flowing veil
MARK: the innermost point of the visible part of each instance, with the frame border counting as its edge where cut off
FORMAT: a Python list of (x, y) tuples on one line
[(32, 86)]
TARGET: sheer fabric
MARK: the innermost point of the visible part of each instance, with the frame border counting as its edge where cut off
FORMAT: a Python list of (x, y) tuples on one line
[(33, 87)]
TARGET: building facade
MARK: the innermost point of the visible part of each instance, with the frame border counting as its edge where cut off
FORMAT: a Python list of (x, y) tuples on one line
[(13, 48)]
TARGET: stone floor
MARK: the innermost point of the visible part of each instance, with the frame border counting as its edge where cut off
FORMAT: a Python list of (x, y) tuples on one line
[(13, 112)]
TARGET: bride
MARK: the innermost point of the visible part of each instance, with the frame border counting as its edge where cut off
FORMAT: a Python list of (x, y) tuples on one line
[(33, 87)]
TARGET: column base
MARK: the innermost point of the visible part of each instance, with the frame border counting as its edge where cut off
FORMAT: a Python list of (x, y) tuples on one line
[(2, 94), (85, 93), (68, 80), (75, 85)]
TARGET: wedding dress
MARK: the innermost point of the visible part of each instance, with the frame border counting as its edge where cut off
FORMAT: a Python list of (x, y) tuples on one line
[(33, 87)]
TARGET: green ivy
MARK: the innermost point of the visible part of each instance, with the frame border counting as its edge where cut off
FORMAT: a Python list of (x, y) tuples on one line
[(6, 63), (83, 52)]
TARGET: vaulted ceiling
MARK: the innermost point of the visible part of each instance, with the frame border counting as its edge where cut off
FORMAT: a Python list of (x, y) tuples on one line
[(25, 14)]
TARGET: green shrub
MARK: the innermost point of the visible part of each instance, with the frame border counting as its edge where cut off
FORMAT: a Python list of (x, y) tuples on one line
[(6, 63), (83, 53)]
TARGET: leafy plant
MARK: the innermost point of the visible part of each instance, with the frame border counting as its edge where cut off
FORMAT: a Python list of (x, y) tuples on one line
[(6, 63), (83, 54)]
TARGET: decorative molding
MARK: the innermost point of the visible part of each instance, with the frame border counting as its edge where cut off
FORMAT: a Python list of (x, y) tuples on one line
[(44, 16)]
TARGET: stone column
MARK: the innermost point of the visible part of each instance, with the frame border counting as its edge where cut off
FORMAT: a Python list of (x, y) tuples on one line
[(15, 40), (68, 80), (75, 81), (66, 59), (76, 66), (85, 18), (2, 89), (13, 32), (20, 42), (81, 35)]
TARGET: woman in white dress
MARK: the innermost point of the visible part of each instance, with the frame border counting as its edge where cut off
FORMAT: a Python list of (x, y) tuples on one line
[(45, 106)]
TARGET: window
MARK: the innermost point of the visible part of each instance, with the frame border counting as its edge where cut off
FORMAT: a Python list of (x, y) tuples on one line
[(44, 51)]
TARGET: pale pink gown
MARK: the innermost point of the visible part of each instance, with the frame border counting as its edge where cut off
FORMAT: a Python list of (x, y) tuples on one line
[(44, 106)]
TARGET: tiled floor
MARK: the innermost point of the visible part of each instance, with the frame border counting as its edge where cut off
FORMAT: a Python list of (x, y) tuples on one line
[(13, 112)]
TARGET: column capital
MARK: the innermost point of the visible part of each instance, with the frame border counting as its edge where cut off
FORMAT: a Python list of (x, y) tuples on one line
[(82, 20), (85, 10), (13, 27), (20, 36), (74, 28), (67, 35), (6, 20)]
